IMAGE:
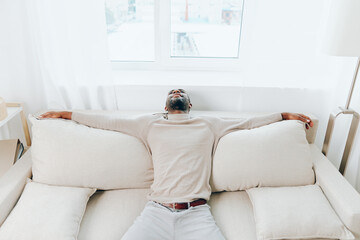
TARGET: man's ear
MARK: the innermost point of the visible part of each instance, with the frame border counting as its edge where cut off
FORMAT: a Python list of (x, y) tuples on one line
[(190, 105), (166, 109)]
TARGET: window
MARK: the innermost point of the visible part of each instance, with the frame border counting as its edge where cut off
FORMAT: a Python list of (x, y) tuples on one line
[(130, 29), (173, 32), (205, 28)]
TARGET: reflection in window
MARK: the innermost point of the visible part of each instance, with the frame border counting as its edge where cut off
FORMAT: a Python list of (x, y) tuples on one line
[(130, 28), (205, 28)]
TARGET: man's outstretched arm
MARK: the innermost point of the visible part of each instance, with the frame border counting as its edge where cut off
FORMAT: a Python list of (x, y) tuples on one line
[(128, 125), (226, 126)]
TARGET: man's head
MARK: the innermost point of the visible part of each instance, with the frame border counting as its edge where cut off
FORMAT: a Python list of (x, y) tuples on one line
[(178, 101)]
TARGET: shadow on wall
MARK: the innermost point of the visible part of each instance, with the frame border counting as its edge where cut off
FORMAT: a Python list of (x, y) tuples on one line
[(85, 97)]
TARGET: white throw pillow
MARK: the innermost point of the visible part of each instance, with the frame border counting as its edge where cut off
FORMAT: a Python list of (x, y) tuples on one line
[(273, 155), (66, 153), (46, 212), (295, 213)]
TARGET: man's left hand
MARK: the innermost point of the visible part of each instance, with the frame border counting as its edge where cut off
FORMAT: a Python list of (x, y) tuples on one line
[(296, 116)]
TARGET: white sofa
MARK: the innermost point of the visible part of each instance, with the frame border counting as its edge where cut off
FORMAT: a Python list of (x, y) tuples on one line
[(121, 197)]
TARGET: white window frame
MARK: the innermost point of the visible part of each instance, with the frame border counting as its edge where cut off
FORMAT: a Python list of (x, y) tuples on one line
[(163, 59)]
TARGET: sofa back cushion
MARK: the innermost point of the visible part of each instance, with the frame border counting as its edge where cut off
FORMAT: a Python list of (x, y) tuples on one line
[(69, 154), (274, 155)]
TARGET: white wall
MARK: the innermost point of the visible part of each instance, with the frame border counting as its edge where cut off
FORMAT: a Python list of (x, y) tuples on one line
[(19, 75)]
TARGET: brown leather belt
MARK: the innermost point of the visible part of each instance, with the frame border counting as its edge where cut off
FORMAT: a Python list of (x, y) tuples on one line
[(184, 205)]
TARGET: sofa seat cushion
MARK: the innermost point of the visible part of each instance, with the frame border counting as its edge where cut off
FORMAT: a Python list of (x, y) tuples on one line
[(110, 213), (233, 214), (295, 212)]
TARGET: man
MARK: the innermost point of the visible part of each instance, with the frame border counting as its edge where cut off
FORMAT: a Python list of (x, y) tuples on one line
[(182, 148)]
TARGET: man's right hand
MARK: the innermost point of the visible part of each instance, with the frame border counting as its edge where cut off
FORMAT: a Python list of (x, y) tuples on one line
[(64, 115)]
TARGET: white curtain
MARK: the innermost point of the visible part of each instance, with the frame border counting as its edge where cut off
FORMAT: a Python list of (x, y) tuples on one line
[(70, 45)]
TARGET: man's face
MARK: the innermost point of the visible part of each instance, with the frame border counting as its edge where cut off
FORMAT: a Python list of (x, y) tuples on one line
[(178, 100)]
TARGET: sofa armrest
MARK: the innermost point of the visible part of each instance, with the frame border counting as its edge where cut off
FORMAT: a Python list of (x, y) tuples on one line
[(12, 184), (342, 196)]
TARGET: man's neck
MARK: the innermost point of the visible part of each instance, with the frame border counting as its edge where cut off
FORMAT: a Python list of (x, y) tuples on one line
[(177, 112), (178, 116)]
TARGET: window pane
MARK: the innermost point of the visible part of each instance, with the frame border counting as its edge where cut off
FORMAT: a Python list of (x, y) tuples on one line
[(130, 28), (205, 28)]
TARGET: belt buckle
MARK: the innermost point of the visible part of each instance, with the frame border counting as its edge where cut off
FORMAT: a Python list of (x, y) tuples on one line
[(174, 205)]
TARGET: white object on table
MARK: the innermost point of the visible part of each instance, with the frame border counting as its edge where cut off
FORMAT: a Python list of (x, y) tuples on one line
[(14, 109)]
